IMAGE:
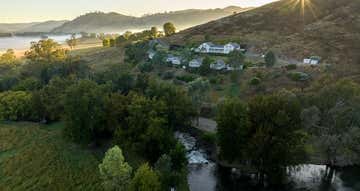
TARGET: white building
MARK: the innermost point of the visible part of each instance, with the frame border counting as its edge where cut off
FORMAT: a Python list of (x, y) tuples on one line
[(196, 63), (212, 48), (312, 60), (175, 60), (218, 65)]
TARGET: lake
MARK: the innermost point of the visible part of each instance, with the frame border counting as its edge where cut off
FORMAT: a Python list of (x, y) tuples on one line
[(23, 42)]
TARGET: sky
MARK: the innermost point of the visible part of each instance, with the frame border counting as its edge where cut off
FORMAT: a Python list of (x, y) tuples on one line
[(16, 11)]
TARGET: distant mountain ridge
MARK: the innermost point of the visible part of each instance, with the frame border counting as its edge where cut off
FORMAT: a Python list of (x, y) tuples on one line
[(114, 22), (34, 27), (326, 28)]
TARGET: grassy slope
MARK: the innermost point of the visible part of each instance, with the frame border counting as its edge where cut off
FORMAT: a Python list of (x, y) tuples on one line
[(331, 31), (36, 157)]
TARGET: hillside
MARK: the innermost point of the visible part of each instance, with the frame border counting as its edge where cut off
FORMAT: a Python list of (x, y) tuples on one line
[(46, 26), (114, 22), (34, 27), (327, 28), (13, 27)]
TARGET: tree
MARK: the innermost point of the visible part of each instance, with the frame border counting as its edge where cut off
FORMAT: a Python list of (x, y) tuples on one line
[(127, 35), (179, 108), (8, 57), (154, 32), (233, 129), (270, 59), (333, 121), (106, 42), (164, 169), (84, 112), (145, 179), (169, 29), (178, 157), (114, 171), (15, 106), (236, 59), (205, 67), (276, 140), (72, 42), (52, 97), (46, 51), (112, 42)]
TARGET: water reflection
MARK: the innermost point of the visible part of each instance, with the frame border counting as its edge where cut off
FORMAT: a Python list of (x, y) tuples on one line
[(207, 176)]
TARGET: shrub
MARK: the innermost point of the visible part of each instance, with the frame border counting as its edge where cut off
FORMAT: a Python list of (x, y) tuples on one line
[(291, 67), (255, 81), (298, 76), (167, 75), (15, 105), (209, 137), (145, 67), (186, 78)]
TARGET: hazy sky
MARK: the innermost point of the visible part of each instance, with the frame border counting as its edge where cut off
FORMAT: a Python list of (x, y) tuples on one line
[(40, 10)]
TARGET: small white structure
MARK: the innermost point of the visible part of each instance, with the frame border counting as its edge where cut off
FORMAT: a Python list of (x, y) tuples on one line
[(312, 60), (196, 63), (218, 65), (151, 54), (175, 60), (230, 68), (212, 48)]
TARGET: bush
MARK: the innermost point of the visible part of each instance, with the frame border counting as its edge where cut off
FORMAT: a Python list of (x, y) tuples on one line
[(291, 67), (213, 80), (186, 78), (167, 75), (255, 81), (209, 137), (15, 106), (145, 67), (298, 76)]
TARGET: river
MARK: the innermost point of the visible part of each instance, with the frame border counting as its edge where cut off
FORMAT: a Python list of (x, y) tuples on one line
[(206, 175), (23, 42)]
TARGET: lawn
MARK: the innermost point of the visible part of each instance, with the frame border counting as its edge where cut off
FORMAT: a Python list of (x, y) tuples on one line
[(36, 157)]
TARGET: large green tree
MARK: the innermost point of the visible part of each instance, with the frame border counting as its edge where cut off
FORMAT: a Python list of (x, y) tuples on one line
[(15, 105), (334, 123), (84, 111), (233, 129), (145, 179), (114, 171), (276, 140), (46, 51)]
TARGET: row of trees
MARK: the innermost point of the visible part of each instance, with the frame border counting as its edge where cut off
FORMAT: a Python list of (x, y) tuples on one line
[(271, 132), (153, 33)]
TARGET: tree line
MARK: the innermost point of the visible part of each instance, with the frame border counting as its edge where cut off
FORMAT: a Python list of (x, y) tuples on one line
[(274, 132)]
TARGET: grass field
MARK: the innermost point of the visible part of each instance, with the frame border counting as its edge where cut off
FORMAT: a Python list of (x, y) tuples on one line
[(36, 157)]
